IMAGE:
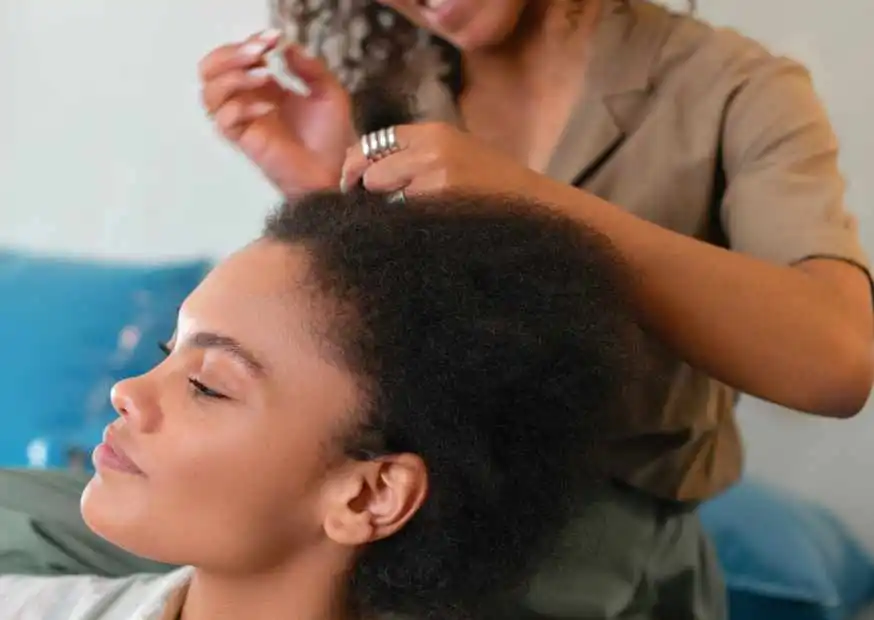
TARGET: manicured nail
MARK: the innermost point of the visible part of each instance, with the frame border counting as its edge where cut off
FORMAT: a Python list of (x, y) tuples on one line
[(296, 85), (291, 82), (270, 35), (259, 74), (254, 49), (344, 185)]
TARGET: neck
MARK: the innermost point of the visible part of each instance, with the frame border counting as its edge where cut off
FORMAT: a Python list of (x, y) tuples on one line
[(308, 590), (551, 35)]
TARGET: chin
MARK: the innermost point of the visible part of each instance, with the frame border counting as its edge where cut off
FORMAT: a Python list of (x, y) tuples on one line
[(117, 511), (480, 38)]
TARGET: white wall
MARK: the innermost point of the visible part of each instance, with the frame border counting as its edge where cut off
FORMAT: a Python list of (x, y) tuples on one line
[(103, 149)]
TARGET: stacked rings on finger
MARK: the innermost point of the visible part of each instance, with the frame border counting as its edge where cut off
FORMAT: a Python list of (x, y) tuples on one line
[(379, 144)]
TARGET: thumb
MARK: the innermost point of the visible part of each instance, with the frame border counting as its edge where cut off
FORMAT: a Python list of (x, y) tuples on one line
[(311, 71)]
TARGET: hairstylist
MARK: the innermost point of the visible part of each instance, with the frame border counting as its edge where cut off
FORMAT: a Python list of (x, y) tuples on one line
[(711, 165)]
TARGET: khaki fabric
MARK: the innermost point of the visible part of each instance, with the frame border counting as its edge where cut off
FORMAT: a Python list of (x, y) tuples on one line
[(704, 132)]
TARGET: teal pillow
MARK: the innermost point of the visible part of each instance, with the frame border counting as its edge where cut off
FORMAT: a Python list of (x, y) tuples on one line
[(786, 558), (71, 328)]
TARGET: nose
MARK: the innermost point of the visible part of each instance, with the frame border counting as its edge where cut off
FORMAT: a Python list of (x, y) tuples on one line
[(132, 400)]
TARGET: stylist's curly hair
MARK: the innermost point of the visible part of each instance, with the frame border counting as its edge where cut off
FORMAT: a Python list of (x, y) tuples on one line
[(491, 338), (370, 39), (383, 43)]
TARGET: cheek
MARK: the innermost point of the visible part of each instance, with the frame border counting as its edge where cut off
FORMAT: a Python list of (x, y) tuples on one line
[(493, 24), (215, 488)]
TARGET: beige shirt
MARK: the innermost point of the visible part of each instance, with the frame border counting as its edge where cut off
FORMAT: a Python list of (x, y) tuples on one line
[(140, 597), (704, 132)]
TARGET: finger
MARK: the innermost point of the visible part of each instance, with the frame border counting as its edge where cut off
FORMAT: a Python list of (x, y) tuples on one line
[(312, 71), (233, 118), (356, 163), (353, 169), (238, 55), (228, 85), (397, 171)]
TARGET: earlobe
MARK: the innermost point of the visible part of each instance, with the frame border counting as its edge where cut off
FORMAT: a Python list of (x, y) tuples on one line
[(348, 528), (345, 521)]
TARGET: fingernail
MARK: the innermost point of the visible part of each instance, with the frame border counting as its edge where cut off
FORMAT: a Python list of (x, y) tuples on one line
[(254, 49), (296, 85), (260, 108), (259, 74), (270, 35), (344, 185)]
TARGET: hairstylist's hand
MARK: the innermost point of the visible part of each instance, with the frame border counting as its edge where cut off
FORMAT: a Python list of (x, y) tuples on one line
[(436, 157), (299, 142)]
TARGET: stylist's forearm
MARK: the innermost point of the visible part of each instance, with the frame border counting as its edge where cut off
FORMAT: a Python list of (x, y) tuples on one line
[(772, 331)]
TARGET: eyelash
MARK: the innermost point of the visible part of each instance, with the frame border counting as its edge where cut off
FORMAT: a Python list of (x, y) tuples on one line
[(199, 388)]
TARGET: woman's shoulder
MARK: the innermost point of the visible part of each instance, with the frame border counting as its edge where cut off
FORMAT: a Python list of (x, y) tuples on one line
[(24, 597), (691, 50)]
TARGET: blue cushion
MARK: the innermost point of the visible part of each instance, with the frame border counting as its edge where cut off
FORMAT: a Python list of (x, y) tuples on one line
[(70, 329), (785, 557)]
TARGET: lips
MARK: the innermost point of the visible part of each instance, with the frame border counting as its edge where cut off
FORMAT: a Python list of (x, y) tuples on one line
[(445, 14), (111, 455)]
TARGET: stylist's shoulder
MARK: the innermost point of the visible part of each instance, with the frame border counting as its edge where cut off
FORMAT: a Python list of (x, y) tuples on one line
[(784, 193)]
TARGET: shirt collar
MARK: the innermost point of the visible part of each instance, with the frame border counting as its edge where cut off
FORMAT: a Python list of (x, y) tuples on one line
[(166, 603)]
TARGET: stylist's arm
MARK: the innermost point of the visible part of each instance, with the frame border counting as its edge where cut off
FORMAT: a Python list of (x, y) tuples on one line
[(298, 142), (798, 334)]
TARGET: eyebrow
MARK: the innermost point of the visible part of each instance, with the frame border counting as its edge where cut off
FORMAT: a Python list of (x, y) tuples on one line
[(211, 340)]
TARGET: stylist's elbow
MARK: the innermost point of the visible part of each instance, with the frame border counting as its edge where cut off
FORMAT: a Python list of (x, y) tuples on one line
[(851, 378), (843, 381), (840, 385)]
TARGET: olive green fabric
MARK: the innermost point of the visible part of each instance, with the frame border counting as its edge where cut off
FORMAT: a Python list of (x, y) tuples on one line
[(42, 532), (631, 557)]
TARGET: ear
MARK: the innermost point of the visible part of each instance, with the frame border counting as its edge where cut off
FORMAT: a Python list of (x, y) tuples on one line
[(375, 499)]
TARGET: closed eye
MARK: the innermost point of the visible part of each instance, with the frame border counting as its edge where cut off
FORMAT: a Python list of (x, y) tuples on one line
[(205, 391), (199, 388)]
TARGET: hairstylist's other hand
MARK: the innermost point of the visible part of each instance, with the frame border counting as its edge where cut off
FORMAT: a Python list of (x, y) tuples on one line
[(436, 157), (299, 142)]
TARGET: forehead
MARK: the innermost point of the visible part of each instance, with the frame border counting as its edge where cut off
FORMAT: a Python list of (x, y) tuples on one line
[(262, 272), (261, 300), (258, 297)]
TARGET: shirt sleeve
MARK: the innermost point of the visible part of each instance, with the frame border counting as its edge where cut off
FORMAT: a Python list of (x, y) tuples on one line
[(784, 193)]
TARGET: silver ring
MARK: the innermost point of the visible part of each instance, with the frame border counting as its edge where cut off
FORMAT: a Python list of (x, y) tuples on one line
[(382, 140), (393, 139), (379, 144), (397, 197)]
